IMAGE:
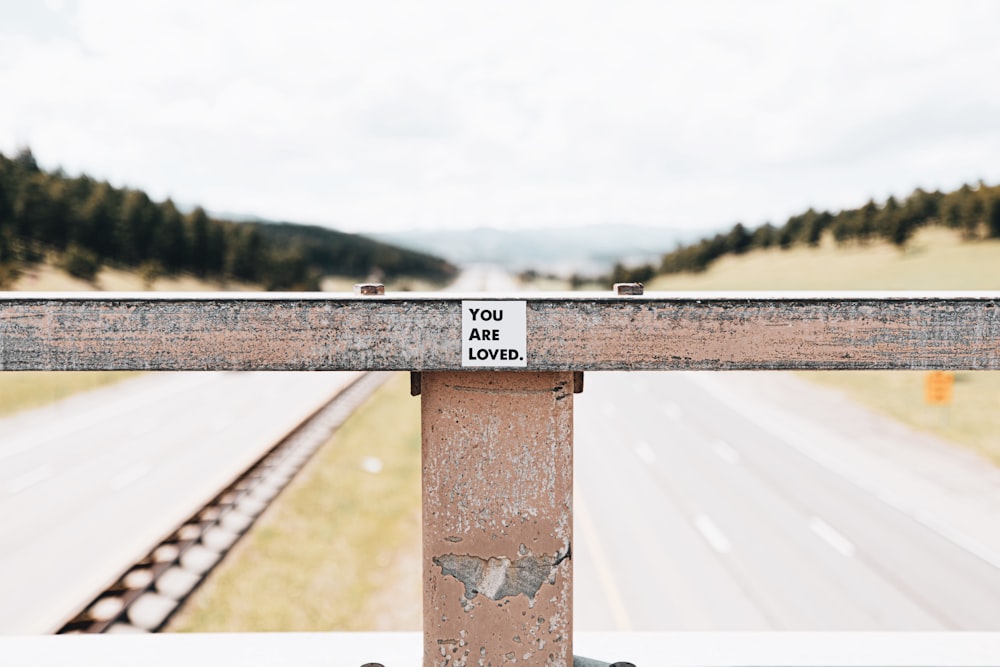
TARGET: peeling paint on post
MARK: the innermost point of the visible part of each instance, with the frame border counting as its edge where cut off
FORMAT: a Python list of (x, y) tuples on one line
[(497, 503)]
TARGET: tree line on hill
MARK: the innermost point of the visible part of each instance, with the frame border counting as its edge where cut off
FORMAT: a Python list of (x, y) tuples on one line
[(973, 210), (83, 224)]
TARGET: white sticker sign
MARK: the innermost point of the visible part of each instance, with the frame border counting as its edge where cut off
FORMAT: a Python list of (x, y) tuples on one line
[(494, 334)]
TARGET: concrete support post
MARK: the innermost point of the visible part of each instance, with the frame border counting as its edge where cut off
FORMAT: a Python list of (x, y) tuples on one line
[(497, 514)]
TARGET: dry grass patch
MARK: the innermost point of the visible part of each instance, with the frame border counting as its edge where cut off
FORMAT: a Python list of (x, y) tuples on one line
[(323, 555), (49, 278), (935, 259)]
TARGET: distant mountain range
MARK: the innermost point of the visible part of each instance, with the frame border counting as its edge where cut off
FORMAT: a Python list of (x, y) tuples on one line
[(586, 250)]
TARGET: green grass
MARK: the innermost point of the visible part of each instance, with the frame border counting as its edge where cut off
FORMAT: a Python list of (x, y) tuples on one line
[(937, 259), (335, 551), (23, 390)]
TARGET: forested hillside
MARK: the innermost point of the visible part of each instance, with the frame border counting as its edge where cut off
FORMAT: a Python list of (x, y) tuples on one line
[(83, 224), (973, 210)]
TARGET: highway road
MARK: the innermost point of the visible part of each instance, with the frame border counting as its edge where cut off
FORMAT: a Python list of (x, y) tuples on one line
[(483, 278), (90, 484), (759, 501), (756, 501), (704, 501)]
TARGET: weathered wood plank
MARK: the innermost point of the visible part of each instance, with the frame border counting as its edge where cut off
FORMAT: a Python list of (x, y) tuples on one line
[(564, 332)]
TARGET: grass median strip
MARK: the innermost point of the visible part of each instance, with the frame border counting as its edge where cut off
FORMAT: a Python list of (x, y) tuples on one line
[(340, 548)]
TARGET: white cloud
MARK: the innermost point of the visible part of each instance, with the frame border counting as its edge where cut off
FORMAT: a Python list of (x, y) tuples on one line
[(372, 115)]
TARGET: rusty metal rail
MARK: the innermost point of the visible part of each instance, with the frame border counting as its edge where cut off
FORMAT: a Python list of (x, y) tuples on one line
[(497, 440), (574, 331)]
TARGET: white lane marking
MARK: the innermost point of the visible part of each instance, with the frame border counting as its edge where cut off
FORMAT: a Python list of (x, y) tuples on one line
[(672, 411), (726, 452), (588, 535), (782, 425), (644, 452), (129, 476), (715, 537), (829, 534), (29, 479)]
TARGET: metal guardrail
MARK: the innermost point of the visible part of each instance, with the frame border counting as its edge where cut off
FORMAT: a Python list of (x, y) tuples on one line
[(497, 439), (571, 331)]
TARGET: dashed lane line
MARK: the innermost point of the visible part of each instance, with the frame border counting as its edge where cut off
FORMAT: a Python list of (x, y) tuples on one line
[(644, 452), (712, 534), (726, 452), (831, 536)]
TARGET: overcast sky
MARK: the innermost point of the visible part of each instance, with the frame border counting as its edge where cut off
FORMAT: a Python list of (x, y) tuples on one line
[(392, 115)]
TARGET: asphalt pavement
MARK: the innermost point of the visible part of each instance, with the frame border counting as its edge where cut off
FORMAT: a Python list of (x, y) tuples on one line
[(89, 484), (739, 501), (756, 501), (704, 501)]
